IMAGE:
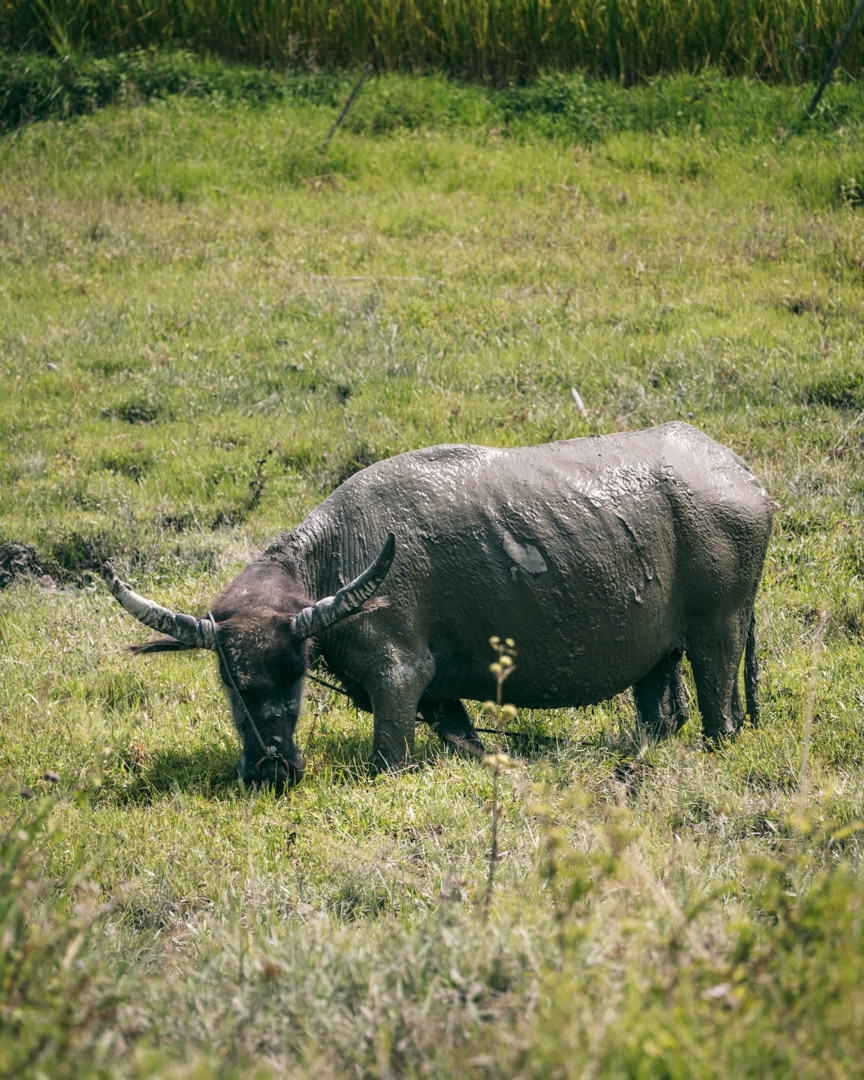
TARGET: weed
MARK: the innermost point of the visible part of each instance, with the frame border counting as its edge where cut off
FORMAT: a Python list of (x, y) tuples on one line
[(57, 1009), (501, 670)]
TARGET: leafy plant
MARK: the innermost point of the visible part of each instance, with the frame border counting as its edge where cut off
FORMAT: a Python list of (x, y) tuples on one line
[(56, 1003)]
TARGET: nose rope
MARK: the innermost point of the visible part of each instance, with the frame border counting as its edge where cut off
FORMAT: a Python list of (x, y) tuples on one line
[(271, 753)]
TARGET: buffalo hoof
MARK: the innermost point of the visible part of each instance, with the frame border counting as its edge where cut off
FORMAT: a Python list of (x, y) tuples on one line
[(461, 742), (382, 767)]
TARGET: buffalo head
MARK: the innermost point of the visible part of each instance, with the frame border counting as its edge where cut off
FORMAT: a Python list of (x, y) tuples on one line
[(259, 627)]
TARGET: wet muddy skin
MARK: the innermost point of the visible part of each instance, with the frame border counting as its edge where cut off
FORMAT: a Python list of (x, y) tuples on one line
[(606, 558)]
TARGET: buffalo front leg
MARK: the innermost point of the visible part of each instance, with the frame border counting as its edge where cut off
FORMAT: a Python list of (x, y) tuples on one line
[(452, 724), (394, 706)]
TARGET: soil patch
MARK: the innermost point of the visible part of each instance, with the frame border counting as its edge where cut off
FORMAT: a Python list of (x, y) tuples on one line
[(19, 560)]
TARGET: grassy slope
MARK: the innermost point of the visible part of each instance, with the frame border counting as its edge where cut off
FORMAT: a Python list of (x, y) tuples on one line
[(205, 325)]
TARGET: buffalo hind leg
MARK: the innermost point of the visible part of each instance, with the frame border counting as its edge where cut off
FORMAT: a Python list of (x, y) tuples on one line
[(714, 652), (661, 701), (452, 724)]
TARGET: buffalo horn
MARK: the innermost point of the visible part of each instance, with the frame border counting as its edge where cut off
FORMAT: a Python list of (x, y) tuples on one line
[(189, 631), (321, 616)]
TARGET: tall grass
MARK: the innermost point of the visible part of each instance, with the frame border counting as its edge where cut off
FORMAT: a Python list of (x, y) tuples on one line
[(488, 39)]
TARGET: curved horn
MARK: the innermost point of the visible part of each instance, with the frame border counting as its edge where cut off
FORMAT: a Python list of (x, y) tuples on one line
[(189, 631), (316, 619)]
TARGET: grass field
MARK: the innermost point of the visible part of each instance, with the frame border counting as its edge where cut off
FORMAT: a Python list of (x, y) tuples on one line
[(206, 324)]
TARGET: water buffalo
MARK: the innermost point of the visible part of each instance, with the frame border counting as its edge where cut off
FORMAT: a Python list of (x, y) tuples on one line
[(607, 558)]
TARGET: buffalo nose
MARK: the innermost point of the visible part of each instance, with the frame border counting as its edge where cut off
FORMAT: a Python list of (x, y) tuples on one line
[(277, 773)]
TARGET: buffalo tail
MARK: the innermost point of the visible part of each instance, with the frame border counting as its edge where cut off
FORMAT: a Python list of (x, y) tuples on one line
[(751, 674)]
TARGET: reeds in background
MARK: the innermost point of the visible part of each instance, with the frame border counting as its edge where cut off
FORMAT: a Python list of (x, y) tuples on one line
[(496, 40)]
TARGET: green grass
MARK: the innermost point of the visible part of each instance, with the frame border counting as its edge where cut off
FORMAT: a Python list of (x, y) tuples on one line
[(574, 106), (205, 324), (487, 39)]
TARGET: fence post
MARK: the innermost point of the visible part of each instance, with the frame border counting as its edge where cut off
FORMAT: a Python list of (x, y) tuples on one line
[(832, 63)]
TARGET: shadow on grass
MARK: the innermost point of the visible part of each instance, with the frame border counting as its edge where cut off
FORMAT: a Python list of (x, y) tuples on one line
[(212, 771), (206, 771), (337, 758)]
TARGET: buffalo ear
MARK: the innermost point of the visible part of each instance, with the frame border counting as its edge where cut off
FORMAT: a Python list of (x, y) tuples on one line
[(162, 644)]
